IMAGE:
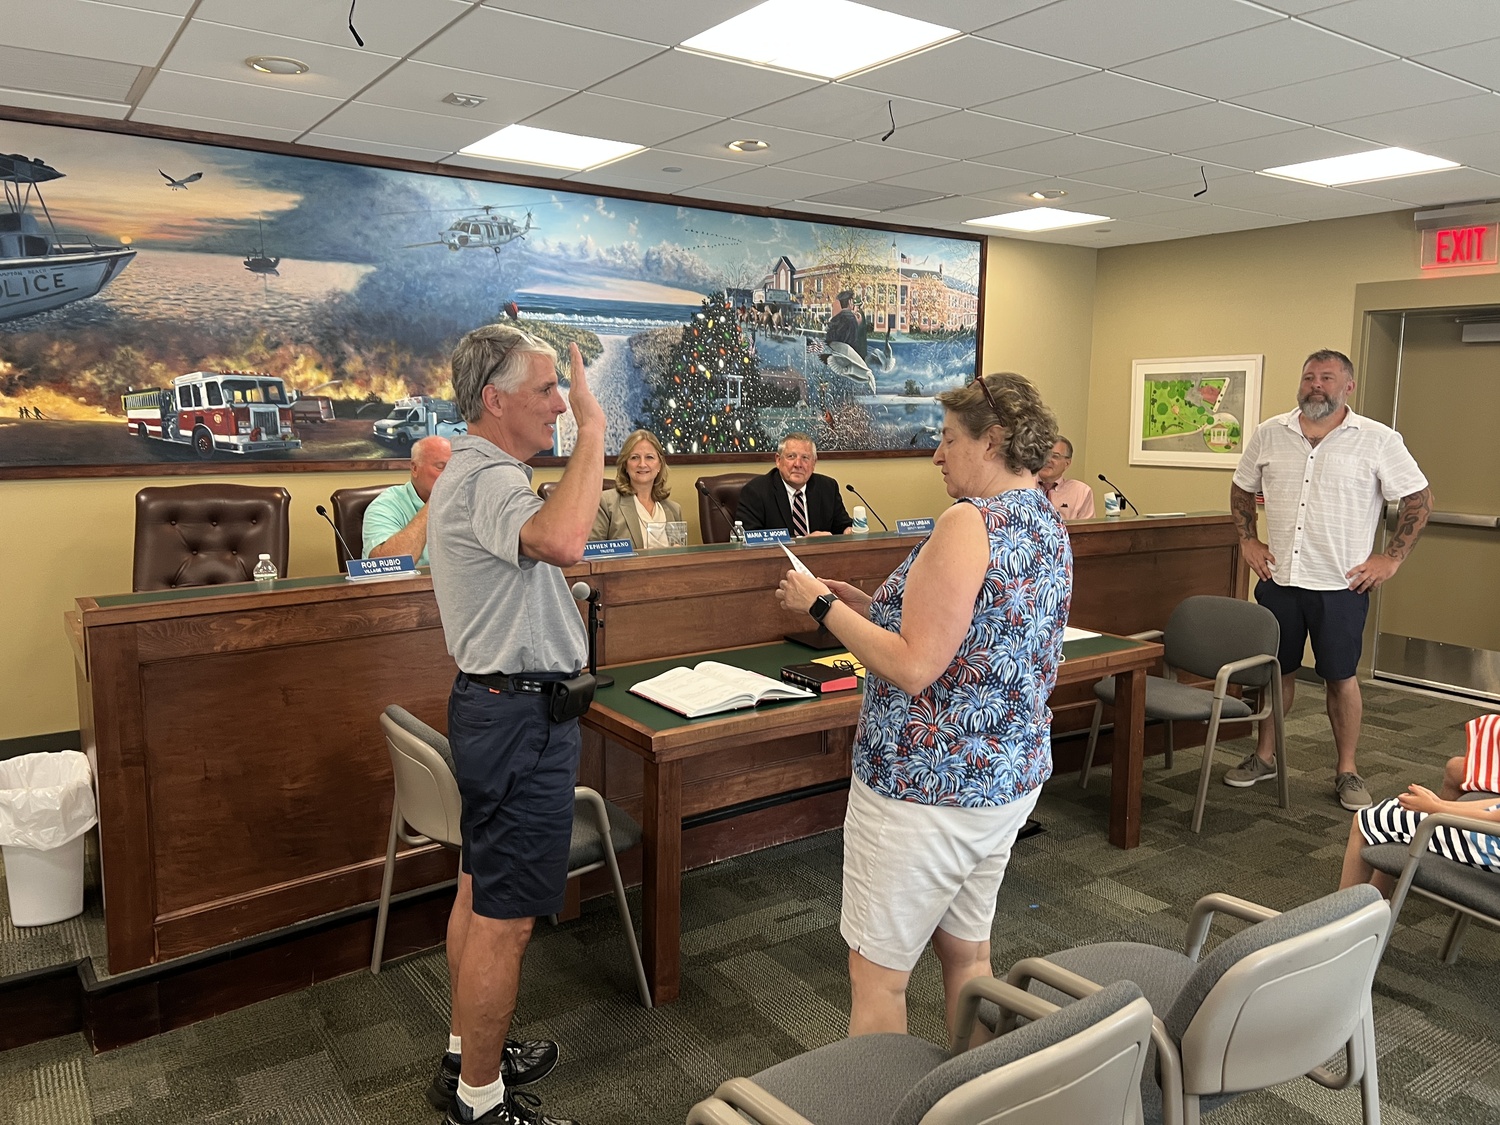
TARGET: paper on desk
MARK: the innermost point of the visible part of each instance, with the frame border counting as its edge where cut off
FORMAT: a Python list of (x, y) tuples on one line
[(836, 659), (797, 564), (1072, 634)]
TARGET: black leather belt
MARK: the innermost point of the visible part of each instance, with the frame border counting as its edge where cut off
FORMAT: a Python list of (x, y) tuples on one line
[(532, 683)]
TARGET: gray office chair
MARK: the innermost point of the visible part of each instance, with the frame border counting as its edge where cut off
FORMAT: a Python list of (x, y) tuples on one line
[(1080, 1065), (1269, 1004), (1224, 640), (427, 801), (1469, 892)]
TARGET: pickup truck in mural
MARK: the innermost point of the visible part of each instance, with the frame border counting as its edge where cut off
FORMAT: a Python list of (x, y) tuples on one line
[(412, 419), (216, 411)]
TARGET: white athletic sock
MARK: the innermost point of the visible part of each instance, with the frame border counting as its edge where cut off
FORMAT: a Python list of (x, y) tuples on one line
[(482, 1099), (455, 1045)]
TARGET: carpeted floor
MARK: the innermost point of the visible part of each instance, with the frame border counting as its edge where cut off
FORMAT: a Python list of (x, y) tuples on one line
[(764, 973)]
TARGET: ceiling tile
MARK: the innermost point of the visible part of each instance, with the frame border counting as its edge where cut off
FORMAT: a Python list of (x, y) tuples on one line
[(1408, 29), (862, 161), (955, 210), (388, 27), (1457, 185), (833, 210), (961, 177), (509, 167), (845, 111), (59, 103), (422, 87), (1186, 129), (237, 101), (1264, 57), (1372, 89), (606, 179), (1140, 204), (871, 197), (1420, 125), (966, 134), (213, 125), (404, 127), (657, 21), (650, 167), (1282, 148), (712, 193), (1148, 175), (1299, 7), (1330, 203), (1207, 219), (965, 72), (374, 148), (785, 143), (1115, 234), (172, 7), (962, 15), (1094, 101), (1081, 195), (490, 42), (1066, 156), (1474, 62), (784, 182), (717, 87), (91, 31), (594, 115), (1122, 31), (1479, 151), (212, 50), (46, 72)]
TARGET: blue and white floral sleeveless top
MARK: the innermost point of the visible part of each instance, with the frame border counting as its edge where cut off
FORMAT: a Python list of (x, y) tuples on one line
[(981, 735)]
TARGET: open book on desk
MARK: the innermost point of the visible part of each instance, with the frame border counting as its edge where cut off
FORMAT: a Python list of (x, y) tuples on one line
[(711, 687)]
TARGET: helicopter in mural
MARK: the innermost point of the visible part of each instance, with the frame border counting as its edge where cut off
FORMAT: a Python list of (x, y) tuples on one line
[(487, 228)]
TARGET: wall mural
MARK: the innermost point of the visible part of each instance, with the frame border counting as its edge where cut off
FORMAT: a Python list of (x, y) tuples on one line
[(164, 303)]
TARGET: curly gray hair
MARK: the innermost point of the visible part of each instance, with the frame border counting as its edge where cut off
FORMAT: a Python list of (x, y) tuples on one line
[(1011, 402)]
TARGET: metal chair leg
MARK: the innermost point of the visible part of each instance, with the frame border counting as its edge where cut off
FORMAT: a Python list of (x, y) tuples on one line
[(1206, 769), (1088, 757), (1171, 744), (383, 914), (1455, 936), (1278, 719), (1369, 1083), (601, 814)]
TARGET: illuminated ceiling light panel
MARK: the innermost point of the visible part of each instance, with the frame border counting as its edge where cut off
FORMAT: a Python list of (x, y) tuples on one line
[(1037, 219), (549, 148), (823, 38), (1360, 168)]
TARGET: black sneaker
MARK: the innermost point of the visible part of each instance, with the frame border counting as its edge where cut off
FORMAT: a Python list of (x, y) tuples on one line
[(524, 1061), (518, 1108)]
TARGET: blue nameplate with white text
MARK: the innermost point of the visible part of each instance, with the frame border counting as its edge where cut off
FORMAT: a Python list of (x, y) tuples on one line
[(393, 566), (761, 537), (607, 548), (915, 527)]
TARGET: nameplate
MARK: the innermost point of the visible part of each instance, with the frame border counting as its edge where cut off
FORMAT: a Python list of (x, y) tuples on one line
[(761, 537), (608, 548), (393, 566), (915, 527)]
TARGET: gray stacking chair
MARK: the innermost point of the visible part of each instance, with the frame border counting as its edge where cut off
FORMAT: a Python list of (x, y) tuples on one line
[(1469, 892), (1225, 640), (1271, 1003), (427, 801), (1078, 1066)]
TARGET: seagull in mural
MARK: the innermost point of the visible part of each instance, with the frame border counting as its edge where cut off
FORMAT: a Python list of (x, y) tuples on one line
[(181, 185)]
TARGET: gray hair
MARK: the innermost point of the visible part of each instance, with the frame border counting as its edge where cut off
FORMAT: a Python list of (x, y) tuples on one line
[(796, 435), (1340, 358), (1066, 442), (495, 353)]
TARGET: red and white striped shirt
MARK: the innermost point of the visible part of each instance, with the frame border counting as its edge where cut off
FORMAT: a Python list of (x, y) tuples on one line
[(1482, 770)]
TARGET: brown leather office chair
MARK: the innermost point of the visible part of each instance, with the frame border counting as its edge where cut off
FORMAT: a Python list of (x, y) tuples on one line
[(349, 506), (726, 490), (207, 534), (547, 488)]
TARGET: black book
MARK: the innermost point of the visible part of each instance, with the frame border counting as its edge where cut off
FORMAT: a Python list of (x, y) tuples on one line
[(820, 677)]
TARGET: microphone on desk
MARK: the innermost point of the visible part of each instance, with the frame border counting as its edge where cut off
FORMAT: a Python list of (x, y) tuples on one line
[(884, 526), (1125, 499), (714, 500), (583, 592), (322, 511)]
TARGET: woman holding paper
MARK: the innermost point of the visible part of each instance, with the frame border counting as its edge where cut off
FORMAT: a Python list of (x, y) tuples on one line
[(961, 647), (637, 507)]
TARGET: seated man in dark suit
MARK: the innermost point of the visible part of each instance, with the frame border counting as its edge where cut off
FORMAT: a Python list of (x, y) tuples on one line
[(793, 496)]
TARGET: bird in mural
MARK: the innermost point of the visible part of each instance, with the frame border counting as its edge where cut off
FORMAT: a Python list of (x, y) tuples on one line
[(181, 185), (512, 310)]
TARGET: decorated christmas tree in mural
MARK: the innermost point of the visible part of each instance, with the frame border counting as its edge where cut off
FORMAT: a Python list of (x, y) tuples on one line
[(704, 394)]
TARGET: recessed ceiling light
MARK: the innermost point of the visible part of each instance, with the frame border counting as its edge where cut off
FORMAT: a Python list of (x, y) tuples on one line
[(1361, 167), (528, 145), (747, 145), (464, 101), (276, 64), (1037, 219), (826, 38), (1050, 193)]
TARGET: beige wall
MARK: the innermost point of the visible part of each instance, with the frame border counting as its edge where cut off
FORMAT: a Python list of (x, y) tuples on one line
[(73, 538)]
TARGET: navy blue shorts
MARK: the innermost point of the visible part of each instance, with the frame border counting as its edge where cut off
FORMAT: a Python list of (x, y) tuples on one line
[(516, 771), (1334, 619)]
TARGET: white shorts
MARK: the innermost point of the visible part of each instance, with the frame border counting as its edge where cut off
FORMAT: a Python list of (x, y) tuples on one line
[(912, 869)]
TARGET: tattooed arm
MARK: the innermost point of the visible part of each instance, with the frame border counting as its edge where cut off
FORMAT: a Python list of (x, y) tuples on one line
[(1257, 554), (1410, 520)]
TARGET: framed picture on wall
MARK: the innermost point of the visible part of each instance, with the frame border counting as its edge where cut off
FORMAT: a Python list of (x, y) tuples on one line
[(1194, 413)]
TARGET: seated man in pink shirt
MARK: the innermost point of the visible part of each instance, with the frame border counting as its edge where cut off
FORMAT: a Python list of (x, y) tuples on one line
[(1073, 499)]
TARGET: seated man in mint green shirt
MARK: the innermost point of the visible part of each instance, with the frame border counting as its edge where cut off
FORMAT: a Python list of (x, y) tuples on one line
[(396, 520)]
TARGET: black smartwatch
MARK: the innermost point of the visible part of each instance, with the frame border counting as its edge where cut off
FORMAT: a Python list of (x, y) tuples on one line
[(820, 607)]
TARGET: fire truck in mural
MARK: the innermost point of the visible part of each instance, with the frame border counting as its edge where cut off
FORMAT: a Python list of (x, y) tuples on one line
[(223, 411)]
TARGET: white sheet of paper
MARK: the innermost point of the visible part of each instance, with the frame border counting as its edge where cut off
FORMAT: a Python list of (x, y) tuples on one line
[(1072, 634), (797, 564)]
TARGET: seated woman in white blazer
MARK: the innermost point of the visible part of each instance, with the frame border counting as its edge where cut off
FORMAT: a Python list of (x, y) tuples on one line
[(637, 507)]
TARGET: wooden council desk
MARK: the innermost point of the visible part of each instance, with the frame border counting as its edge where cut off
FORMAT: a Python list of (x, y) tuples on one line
[(244, 785), (665, 741)]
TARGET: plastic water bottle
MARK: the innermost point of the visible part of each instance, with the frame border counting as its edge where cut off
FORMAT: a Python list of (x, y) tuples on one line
[(265, 570), (737, 533), (861, 520), (1111, 504)]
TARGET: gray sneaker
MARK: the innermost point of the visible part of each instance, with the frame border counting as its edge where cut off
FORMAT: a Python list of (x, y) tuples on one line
[(1351, 791), (1248, 772)]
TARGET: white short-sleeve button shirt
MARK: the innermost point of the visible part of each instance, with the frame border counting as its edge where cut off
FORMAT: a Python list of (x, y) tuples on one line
[(1323, 502)]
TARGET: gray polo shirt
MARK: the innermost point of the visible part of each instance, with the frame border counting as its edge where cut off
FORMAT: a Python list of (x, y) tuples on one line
[(501, 611)]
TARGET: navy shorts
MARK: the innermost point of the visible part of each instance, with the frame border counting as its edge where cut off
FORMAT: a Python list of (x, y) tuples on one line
[(1334, 619), (516, 771)]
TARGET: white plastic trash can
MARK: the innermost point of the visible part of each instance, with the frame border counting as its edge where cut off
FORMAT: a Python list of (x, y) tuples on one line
[(46, 809)]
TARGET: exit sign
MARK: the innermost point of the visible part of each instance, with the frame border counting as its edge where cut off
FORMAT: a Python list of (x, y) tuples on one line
[(1454, 248)]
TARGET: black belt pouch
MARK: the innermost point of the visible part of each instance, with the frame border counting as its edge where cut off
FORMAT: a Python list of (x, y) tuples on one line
[(570, 698)]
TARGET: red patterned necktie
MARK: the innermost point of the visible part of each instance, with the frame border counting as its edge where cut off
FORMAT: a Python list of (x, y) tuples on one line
[(799, 515)]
